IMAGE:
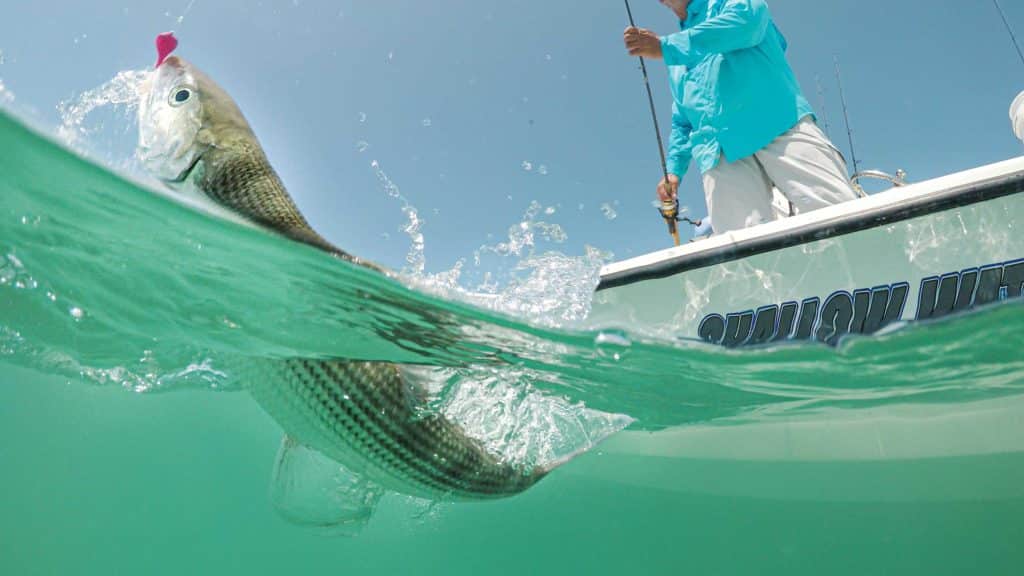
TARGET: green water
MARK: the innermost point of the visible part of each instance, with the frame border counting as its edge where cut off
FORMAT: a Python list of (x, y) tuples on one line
[(130, 446)]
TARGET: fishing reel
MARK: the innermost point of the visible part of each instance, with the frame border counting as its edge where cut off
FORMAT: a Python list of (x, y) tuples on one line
[(669, 210)]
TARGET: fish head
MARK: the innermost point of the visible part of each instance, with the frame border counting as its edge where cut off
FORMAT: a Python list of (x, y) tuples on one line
[(182, 115), (170, 121)]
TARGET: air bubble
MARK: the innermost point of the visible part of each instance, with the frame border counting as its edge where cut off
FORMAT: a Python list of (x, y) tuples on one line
[(613, 344)]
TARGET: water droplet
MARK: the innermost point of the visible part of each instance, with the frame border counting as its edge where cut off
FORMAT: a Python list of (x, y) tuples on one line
[(608, 211), (427, 122), (547, 57), (362, 145), (550, 210), (542, 170), (76, 313), (362, 117), (527, 165)]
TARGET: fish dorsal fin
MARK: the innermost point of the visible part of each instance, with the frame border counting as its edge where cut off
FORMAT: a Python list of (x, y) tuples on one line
[(309, 489)]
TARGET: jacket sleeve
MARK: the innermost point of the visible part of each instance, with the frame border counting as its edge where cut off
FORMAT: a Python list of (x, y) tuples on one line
[(741, 24), (679, 145)]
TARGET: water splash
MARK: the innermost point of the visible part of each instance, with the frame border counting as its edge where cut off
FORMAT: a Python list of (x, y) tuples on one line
[(521, 425), (122, 91), (499, 405), (544, 286), (416, 258)]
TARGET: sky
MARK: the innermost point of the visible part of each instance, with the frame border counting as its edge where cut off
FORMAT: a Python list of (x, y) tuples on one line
[(476, 109)]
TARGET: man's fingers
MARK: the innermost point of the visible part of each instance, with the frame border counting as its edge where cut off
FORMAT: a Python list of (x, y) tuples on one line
[(668, 190)]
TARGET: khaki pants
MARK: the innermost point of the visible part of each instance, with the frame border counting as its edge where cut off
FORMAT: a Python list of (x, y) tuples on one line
[(802, 165)]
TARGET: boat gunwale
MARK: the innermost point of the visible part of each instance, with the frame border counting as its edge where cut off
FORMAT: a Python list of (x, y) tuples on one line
[(889, 207)]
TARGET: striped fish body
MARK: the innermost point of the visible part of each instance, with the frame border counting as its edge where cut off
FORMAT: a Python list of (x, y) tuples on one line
[(360, 414), (363, 415)]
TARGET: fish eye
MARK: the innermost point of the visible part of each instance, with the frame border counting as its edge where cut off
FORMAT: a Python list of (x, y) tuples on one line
[(180, 96)]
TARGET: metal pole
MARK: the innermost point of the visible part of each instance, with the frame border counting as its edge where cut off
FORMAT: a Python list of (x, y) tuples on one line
[(846, 117)]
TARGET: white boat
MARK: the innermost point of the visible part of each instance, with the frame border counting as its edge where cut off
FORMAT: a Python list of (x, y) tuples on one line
[(914, 252)]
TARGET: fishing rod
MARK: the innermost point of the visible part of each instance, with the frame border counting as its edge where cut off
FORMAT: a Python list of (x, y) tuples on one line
[(669, 208), (1009, 29)]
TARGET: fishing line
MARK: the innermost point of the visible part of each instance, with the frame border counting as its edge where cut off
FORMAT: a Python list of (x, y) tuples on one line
[(181, 19), (1009, 29)]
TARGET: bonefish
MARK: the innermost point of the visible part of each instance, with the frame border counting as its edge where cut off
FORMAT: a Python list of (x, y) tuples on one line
[(362, 414)]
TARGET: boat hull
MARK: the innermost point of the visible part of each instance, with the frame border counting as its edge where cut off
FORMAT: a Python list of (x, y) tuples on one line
[(915, 253)]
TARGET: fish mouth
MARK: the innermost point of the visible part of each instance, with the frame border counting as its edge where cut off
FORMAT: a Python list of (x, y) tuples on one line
[(187, 171)]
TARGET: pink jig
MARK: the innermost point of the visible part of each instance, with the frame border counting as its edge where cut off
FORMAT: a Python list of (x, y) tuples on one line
[(165, 44)]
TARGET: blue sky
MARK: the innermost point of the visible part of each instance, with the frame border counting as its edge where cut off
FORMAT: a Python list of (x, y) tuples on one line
[(453, 98)]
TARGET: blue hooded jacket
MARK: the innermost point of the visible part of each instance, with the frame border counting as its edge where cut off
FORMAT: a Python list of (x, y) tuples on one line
[(733, 90)]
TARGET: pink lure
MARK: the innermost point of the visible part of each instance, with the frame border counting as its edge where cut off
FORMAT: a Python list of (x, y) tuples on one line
[(165, 44)]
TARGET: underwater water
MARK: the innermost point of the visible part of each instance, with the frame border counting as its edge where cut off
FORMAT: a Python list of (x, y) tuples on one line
[(127, 318)]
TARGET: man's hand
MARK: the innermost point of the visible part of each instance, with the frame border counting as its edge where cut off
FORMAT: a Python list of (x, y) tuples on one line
[(668, 190), (642, 42)]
